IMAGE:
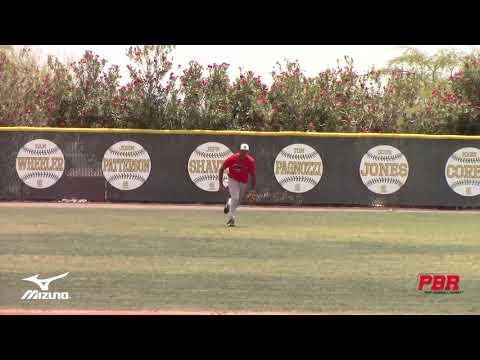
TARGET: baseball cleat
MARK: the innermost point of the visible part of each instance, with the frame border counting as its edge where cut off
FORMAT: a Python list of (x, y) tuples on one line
[(231, 223)]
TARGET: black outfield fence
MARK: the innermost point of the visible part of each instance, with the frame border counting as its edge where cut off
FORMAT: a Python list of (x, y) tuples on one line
[(122, 165)]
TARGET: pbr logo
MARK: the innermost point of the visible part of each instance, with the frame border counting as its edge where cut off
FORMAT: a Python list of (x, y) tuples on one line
[(439, 283), (204, 164), (462, 171), (44, 294), (298, 168), (40, 164), (126, 165), (384, 169)]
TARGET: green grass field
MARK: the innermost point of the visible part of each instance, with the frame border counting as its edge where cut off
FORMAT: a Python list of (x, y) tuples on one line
[(186, 259)]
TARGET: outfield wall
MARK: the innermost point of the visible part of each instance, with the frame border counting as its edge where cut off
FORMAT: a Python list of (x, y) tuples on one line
[(122, 165)]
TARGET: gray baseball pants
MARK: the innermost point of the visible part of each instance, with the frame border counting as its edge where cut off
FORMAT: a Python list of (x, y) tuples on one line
[(237, 192)]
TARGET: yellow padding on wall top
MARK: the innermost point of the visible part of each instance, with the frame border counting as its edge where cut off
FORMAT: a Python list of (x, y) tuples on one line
[(235, 132)]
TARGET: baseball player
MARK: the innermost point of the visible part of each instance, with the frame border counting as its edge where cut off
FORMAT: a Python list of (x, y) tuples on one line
[(239, 166)]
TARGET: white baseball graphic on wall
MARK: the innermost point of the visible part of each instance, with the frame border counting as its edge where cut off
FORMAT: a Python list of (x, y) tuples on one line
[(40, 163), (462, 171), (126, 165), (384, 169), (298, 168), (204, 164)]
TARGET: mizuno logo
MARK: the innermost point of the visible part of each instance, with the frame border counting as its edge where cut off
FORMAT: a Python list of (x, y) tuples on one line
[(44, 295), (43, 283)]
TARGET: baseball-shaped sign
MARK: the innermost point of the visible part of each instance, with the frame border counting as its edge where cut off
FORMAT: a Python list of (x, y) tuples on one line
[(40, 163), (384, 169), (298, 168), (462, 171), (204, 164), (126, 165)]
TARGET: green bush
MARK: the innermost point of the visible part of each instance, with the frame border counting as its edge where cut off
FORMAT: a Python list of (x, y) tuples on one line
[(414, 94)]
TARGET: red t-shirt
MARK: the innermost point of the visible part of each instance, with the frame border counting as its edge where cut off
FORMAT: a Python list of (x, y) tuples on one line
[(239, 169)]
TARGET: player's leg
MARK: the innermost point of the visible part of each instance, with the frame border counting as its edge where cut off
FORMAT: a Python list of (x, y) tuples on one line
[(234, 188), (226, 208)]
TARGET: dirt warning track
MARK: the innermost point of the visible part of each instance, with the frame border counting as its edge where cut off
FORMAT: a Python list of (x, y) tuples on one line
[(139, 312), (92, 205)]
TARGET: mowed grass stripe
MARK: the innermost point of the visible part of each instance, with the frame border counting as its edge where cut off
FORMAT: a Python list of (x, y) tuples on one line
[(371, 266), (240, 292)]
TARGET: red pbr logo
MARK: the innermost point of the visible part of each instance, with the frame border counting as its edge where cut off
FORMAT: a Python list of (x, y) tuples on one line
[(439, 283)]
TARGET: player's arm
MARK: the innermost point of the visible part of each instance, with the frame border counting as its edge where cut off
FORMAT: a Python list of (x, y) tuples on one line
[(254, 181), (253, 173), (226, 164), (220, 177), (251, 195)]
